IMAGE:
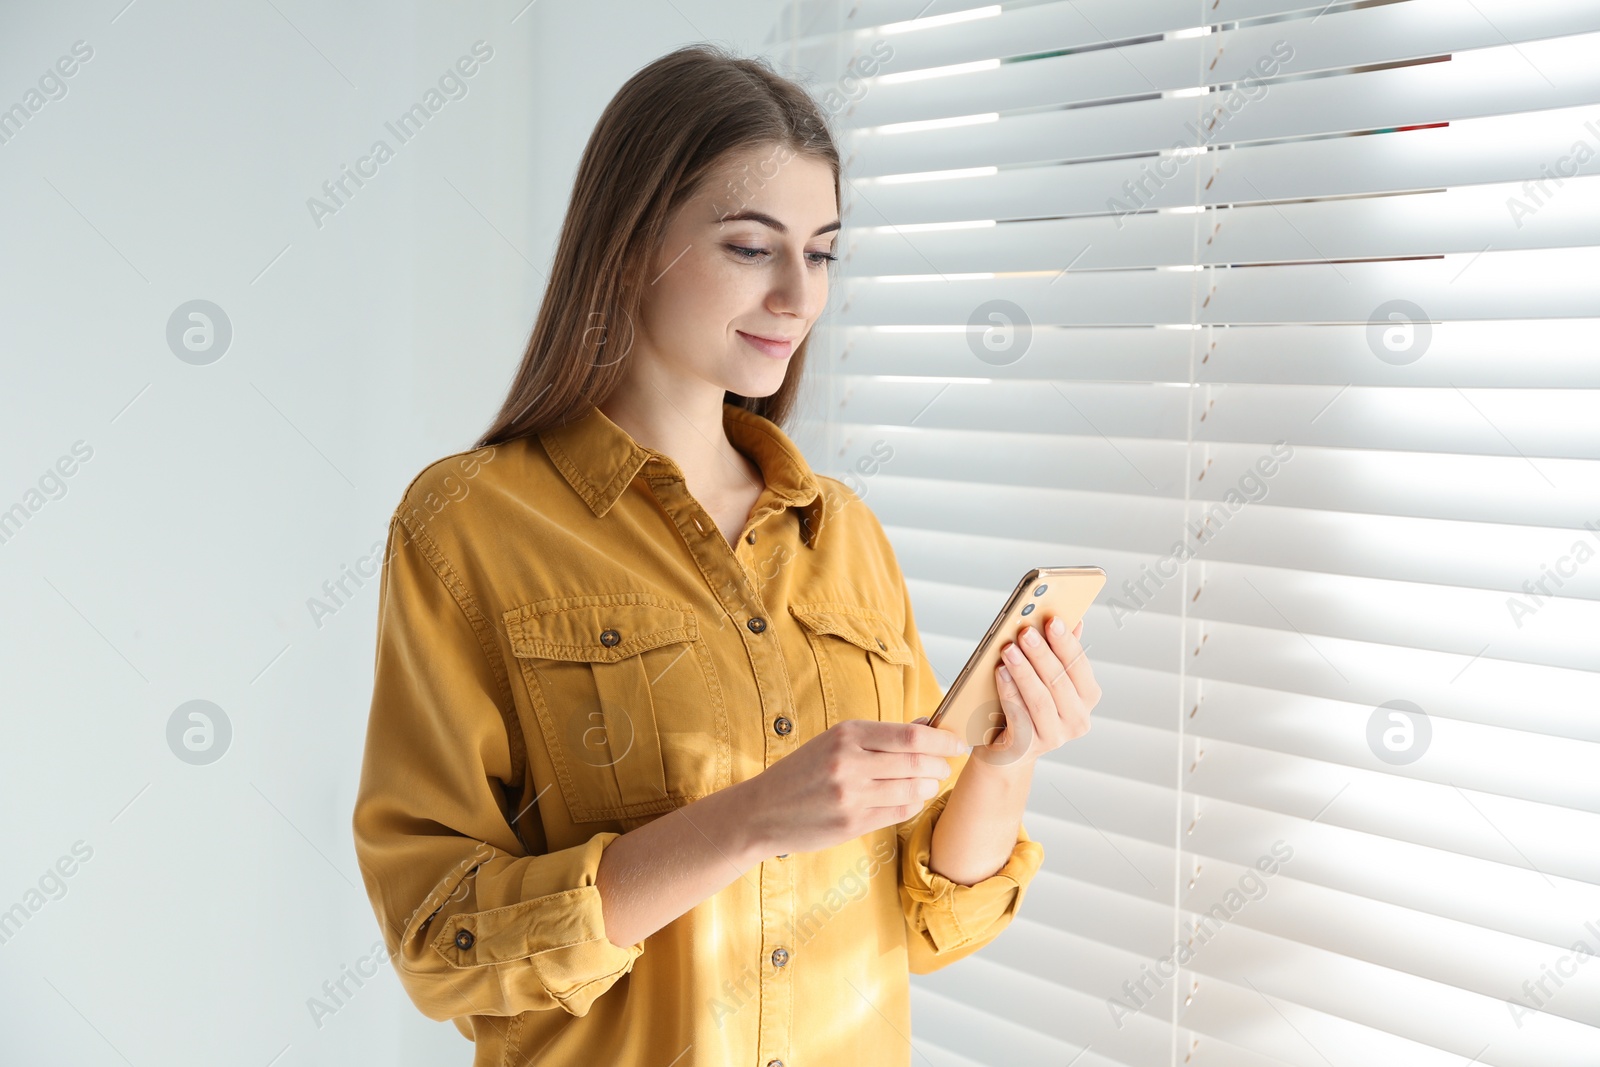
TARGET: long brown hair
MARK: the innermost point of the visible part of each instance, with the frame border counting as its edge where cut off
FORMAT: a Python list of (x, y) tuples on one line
[(666, 130)]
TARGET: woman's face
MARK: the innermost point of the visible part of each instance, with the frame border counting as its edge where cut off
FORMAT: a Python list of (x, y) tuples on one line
[(746, 259)]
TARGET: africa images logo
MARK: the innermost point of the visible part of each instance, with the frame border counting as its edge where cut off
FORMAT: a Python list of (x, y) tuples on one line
[(452, 86)]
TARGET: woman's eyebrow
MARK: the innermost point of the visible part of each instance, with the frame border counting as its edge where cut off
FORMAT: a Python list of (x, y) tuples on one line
[(767, 220)]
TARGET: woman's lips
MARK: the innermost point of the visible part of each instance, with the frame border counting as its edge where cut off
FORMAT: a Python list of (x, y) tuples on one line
[(768, 347)]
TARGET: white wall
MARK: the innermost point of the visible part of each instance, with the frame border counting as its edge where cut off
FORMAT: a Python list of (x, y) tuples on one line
[(175, 562)]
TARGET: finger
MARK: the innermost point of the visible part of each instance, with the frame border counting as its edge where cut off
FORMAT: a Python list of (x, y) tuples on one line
[(920, 718), (1057, 677), (1077, 631), (906, 766), (1070, 651), (893, 792), (878, 818), (1027, 716), (1010, 715), (911, 737), (1029, 668)]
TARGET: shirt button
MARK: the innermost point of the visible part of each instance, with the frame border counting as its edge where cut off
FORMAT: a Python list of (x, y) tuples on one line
[(464, 939), (782, 726), (610, 638), (757, 624), (882, 645), (774, 1063), (750, 537), (780, 956), (783, 855)]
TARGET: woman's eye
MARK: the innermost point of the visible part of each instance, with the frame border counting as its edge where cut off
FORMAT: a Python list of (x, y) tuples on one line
[(816, 259)]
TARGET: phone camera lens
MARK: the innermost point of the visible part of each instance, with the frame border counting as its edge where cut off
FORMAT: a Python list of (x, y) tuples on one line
[(1028, 609), (1038, 590)]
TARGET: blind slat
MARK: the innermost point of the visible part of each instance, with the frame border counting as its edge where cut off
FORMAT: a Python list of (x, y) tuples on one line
[(1432, 485), (1412, 159), (1524, 353), (1491, 284), (1461, 221), (1532, 423)]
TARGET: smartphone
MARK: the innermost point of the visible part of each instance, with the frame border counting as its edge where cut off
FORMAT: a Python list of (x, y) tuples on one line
[(971, 706)]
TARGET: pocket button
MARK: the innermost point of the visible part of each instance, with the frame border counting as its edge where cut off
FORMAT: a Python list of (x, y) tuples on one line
[(610, 638)]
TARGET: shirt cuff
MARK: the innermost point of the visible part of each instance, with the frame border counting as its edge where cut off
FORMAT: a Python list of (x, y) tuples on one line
[(560, 936), (952, 916)]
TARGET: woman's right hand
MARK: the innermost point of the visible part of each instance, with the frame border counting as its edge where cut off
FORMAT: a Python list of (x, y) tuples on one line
[(855, 777)]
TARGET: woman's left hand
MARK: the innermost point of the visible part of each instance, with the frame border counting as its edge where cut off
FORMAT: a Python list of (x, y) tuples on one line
[(1047, 690)]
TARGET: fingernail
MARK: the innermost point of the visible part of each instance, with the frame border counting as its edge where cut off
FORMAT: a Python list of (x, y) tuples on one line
[(964, 747), (1030, 636), (1057, 627), (1005, 676)]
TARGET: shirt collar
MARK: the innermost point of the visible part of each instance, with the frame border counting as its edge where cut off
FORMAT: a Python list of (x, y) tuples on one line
[(599, 459)]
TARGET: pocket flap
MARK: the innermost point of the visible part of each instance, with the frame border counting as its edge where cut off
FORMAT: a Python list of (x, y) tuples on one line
[(601, 628), (863, 627)]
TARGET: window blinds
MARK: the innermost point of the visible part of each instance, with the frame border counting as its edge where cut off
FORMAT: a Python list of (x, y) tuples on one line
[(1285, 315)]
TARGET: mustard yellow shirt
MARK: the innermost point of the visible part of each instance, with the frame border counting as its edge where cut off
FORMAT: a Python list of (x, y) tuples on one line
[(568, 646)]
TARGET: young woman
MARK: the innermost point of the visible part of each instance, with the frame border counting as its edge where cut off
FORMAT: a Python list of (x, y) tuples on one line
[(644, 781)]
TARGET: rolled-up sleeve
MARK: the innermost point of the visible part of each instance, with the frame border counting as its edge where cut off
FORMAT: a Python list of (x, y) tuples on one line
[(474, 924), (947, 921)]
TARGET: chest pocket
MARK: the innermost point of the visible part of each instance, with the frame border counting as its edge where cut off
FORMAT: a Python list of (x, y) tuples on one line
[(861, 657), (627, 700)]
